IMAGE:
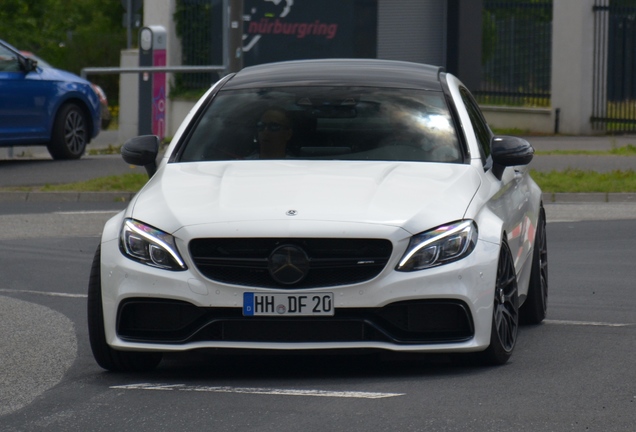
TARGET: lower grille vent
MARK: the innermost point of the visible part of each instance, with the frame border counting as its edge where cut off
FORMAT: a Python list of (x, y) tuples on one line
[(407, 322)]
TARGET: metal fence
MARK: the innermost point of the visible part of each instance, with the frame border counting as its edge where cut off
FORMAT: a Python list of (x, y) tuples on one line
[(614, 93), (199, 25), (516, 49), (516, 53)]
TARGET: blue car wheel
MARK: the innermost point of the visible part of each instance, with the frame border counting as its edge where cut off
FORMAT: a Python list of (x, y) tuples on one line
[(70, 133)]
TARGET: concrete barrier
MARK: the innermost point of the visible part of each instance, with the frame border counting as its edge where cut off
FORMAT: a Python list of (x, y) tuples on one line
[(535, 120)]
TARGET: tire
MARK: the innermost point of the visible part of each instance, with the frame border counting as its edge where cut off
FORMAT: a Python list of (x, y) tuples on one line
[(535, 308), (105, 356), (70, 133), (505, 321)]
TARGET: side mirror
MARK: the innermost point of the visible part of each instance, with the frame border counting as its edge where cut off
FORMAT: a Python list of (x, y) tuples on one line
[(509, 151), (28, 64), (142, 151)]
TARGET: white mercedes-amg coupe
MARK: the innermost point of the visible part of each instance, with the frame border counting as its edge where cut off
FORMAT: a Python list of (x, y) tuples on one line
[(324, 205)]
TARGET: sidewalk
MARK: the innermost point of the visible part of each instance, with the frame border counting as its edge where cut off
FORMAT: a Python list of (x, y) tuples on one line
[(102, 141), (600, 163), (588, 143)]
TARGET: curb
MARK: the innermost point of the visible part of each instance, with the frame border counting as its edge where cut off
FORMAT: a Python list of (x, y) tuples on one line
[(552, 197), (66, 196), (548, 197)]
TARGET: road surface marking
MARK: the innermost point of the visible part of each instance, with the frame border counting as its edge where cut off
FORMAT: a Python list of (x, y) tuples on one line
[(256, 390), (87, 212), (586, 323), (51, 294)]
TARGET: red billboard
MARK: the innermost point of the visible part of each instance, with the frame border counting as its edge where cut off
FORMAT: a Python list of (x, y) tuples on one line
[(277, 30)]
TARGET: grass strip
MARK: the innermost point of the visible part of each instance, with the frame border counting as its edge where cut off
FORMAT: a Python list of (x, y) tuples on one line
[(568, 181), (582, 181), (628, 150), (118, 183)]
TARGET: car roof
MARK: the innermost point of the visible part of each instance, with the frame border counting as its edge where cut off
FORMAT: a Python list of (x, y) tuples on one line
[(349, 72)]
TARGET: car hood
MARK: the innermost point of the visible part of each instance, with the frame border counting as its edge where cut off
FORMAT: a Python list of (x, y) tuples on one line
[(52, 74), (412, 196)]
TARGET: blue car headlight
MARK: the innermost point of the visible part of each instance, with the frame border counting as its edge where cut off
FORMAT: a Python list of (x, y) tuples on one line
[(441, 245), (148, 245)]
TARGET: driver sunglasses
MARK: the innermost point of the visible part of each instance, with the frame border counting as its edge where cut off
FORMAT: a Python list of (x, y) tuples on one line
[(271, 126)]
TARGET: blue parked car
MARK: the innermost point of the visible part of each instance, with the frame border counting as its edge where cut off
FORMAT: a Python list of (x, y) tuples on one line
[(45, 106)]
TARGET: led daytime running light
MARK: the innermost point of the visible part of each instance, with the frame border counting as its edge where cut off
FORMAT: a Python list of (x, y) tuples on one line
[(435, 239), (155, 239)]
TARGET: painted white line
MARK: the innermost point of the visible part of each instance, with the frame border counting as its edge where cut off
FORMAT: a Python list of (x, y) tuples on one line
[(586, 323), (44, 293), (563, 220), (87, 212), (258, 391)]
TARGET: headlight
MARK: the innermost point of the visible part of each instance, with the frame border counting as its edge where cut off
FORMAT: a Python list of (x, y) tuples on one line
[(439, 246), (150, 246)]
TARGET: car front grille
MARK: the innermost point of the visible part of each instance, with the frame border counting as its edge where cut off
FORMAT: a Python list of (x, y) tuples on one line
[(402, 323), (326, 262)]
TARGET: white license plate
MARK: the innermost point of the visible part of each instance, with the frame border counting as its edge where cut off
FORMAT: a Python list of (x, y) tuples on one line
[(314, 304)]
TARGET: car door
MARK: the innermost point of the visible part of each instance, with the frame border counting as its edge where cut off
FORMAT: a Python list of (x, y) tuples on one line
[(511, 203), (24, 98)]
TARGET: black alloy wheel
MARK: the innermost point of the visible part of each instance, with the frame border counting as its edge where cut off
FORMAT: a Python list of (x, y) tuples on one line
[(535, 308), (505, 322)]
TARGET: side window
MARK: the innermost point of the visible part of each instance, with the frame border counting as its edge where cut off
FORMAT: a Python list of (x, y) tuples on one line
[(8, 61), (482, 131)]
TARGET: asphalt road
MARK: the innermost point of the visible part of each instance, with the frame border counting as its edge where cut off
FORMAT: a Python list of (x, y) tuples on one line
[(33, 166), (573, 373)]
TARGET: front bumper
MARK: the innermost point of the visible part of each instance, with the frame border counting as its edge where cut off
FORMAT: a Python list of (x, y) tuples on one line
[(443, 309)]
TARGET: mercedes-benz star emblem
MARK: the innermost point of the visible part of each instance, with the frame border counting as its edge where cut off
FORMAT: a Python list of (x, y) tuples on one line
[(288, 264), (291, 212)]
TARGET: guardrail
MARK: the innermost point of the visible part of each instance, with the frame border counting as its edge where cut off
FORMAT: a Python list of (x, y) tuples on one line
[(120, 70)]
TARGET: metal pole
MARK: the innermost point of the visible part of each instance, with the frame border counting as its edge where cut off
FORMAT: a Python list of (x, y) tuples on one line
[(151, 69), (129, 11), (226, 34), (235, 36)]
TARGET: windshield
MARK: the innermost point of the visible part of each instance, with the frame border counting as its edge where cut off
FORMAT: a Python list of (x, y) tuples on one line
[(336, 123), (8, 60)]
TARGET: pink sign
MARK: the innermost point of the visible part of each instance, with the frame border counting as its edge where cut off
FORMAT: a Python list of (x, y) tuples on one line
[(159, 95)]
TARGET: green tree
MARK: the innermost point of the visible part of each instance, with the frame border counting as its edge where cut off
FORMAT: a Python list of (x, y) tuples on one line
[(71, 34)]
